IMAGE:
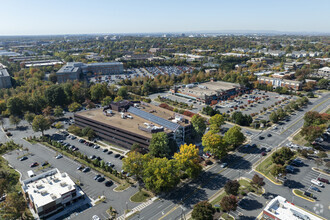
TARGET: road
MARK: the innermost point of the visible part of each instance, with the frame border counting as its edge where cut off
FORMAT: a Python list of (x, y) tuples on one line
[(181, 201)]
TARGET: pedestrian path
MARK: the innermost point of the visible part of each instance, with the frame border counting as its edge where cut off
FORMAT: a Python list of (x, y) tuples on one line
[(137, 208)]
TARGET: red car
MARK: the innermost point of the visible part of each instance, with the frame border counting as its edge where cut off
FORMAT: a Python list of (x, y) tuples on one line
[(263, 153), (34, 164), (323, 180)]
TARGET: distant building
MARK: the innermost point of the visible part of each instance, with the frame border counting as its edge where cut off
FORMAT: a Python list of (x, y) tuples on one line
[(210, 71), (324, 71), (72, 70), (40, 63), (280, 209), (126, 122), (189, 57), (275, 82), (234, 54), (129, 57), (240, 65), (209, 91), (281, 75), (260, 60), (274, 53), (156, 50), (5, 79), (50, 192)]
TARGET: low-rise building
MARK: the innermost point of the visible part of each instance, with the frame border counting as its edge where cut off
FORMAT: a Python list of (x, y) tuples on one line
[(51, 191), (324, 71), (209, 91), (275, 82), (126, 122), (280, 209), (72, 70), (5, 79), (41, 63)]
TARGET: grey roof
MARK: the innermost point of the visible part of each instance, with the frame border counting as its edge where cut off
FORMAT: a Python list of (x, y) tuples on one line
[(153, 118), (102, 64), (3, 72)]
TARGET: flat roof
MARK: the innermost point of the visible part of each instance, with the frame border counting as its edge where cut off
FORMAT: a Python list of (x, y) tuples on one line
[(284, 210), (131, 125), (3, 72), (209, 88), (48, 187)]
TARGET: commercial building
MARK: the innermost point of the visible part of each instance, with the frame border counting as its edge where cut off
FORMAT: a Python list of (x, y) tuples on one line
[(280, 209), (276, 82), (206, 92), (48, 193), (324, 72), (5, 80), (125, 123), (73, 70), (40, 63)]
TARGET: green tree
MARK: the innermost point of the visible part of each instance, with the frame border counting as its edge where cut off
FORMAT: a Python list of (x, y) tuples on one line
[(75, 106), (135, 163), (106, 101), (122, 91), (14, 206), (257, 181), (277, 169), (203, 211), (28, 116), (58, 111), (14, 120), (55, 95), (118, 99), (160, 175), (281, 113), (273, 117), (40, 123), (14, 106), (323, 83), (58, 125), (310, 133), (216, 121), (232, 187), (234, 136), (98, 92), (215, 144), (188, 160), (159, 145), (198, 122)]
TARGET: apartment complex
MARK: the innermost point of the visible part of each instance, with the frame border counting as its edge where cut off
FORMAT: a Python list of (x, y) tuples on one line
[(126, 122), (278, 82), (73, 70), (209, 91), (280, 209), (49, 192), (5, 80)]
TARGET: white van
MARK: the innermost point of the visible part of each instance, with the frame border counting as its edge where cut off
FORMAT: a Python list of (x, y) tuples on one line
[(30, 173), (316, 182)]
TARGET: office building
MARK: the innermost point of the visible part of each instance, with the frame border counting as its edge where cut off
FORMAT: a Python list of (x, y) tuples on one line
[(50, 192), (280, 209), (209, 91), (125, 123), (5, 80), (73, 70), (277, 82)]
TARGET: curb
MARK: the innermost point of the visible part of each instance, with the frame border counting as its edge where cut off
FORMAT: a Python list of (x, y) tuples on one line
[(279, 184), (320, 171), (310, 200)]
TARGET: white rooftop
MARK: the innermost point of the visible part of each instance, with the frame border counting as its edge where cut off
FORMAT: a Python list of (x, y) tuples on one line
[(48, 186), (284, 210)]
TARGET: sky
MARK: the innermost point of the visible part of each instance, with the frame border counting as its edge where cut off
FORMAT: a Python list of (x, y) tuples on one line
[(43, 17)]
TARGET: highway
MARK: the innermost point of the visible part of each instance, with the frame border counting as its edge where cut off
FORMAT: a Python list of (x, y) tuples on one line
[(178, 203)]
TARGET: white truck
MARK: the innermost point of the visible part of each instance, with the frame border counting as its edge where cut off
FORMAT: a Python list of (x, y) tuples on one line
[(30, 173)]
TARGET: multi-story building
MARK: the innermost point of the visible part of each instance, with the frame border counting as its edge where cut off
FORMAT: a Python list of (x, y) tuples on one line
[(5, 80), (276, 82), (126, 122), (209, 91), (324, 72), (280, 209), (72, 70), (50, 192)]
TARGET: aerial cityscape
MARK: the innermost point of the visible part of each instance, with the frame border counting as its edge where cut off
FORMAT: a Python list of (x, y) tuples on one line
[(174, 110)]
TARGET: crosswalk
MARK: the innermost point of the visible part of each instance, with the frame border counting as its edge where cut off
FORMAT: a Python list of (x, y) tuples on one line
[(137, 208)]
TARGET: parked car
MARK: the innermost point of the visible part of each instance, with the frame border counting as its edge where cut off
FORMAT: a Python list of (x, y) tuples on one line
[(34, 164), (110, 152), (23, 158), (253, 145), (269, 135), (105, 150), (96, 146), (289, 169), (223, 165), (59, 156), (323, 180), (92, 157), (117, 155), (80, 167), (263, 153), (101, 179), (121, 157), (95, 217), (108, 183), (315, 189), (81, 140), (261, 137), (316, 182), (86, 169), (97, 176), (44, 163)]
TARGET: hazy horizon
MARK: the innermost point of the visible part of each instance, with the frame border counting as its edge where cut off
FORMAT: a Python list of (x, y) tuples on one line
[(131, 17)]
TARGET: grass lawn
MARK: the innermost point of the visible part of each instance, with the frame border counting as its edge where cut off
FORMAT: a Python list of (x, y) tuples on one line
[(299, 139), (264, 168), (218, 199), (226, 216), (328, 111), (140, 196), (122, 187)]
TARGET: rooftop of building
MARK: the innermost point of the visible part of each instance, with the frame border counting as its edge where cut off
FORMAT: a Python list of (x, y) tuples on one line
[(284, 210), (48, 187), (75, 66), (271, 78), (208, 88), (131, 120)]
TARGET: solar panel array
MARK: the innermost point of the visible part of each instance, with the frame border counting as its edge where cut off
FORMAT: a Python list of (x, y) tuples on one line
[(153, 118)]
